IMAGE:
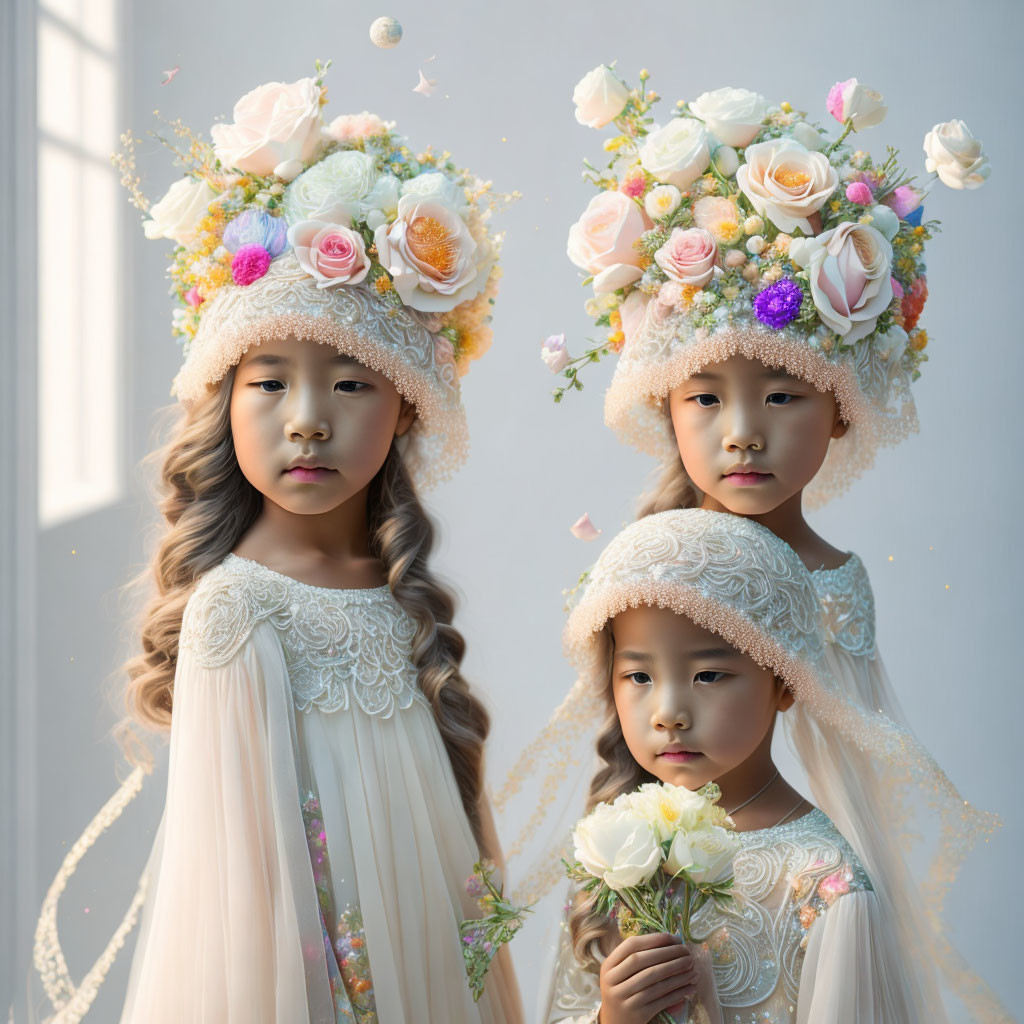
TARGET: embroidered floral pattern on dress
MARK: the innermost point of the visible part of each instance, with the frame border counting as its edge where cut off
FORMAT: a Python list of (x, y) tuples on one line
[(348, 963), (354, 961), (848, 606), (342, 647)]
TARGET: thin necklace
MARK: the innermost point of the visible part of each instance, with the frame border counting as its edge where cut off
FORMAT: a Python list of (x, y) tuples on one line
[(755, 796), (788, 813)]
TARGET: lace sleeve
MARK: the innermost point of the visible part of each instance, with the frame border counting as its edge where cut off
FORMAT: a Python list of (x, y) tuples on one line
[(225, 608), (575, 996)]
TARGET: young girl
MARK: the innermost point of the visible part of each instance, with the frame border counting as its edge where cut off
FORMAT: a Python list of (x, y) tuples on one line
[(697, 630), (763, 285), (324, 803)]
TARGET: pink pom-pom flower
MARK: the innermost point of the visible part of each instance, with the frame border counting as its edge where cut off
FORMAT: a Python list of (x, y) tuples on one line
[(903, 201), (251, 262), (897, 289), (193, 298), (860, 193)]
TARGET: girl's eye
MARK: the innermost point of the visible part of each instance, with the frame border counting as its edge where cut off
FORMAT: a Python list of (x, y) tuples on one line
[(779, 398), (708, 676), (269, 387), (705, 401), (350, 386), (640, 678)]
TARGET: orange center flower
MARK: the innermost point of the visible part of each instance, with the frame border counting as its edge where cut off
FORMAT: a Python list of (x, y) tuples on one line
[(432, 243), (791, 178)]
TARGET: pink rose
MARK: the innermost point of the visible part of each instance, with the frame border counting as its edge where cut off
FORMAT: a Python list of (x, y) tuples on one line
[(276, 129), (331, 253), (689, 256), (352, 127), (605, 234)]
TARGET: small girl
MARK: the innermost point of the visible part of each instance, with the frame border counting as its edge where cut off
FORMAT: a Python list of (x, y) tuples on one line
[(763, 283), (698, 629), (324, 803)]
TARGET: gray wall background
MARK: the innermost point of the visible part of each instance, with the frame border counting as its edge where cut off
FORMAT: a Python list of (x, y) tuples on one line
[(945, 505)]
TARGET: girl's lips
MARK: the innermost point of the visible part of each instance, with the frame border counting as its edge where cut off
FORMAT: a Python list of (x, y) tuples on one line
[(679, 756), (747, 479), (308, 476)]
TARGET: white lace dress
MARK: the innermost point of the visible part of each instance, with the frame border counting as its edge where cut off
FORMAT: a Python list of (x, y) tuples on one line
[(802, 944), (313, 853)]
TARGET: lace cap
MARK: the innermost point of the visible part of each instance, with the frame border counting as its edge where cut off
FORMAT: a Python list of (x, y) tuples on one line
[(726, 573)]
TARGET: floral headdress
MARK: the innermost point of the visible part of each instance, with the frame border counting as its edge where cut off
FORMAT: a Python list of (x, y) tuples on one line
[(739, 227), (338, 232)]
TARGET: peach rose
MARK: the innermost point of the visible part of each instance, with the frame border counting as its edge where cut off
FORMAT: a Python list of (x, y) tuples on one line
[(276, 129), (786, 183), (603, 237), (719, 216), (431, 255), (689, 256), (351, 127), (331, 253)]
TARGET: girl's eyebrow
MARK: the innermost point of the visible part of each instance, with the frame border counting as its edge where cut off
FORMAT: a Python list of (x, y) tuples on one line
[(266, 359), (715, 652), (633, 656)]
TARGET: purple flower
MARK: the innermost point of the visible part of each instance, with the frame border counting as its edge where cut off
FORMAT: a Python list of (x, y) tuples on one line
[(255, 227), (779, 303)]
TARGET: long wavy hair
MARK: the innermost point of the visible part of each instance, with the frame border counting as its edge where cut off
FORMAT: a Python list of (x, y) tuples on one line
[(208, 505), (673, 488), (619, 773)]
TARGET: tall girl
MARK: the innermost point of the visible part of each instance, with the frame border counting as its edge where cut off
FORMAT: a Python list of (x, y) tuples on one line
[(324, 803)]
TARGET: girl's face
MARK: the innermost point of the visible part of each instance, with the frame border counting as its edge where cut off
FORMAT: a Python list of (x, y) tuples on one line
[(312, 427), (750, 436), (691, 707)]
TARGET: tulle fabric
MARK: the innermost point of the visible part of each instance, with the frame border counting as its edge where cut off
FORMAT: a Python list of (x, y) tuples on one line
[(232, 932)]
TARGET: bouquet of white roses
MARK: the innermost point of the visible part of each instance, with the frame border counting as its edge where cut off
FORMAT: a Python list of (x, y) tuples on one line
[(656, 856)]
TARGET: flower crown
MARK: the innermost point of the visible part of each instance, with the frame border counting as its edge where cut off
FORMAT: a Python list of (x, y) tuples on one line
[(737, 211), (349, 200)]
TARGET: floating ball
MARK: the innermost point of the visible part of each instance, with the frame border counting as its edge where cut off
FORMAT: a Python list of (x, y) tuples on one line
[(385, 33)]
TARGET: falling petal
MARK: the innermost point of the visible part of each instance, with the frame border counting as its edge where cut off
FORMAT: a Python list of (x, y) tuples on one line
[(425, 86), (584, 529), (168, 75)]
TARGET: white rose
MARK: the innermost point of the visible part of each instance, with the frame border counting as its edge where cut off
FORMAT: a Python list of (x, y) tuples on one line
[(277, 125), (599, 97), (554, 353), (712, 851), (435, 185), (849, 270), (431, 256), (667, 808), (380, 204), (617, 276), (617, 846), (178, 214), (604, 235), (852, 99), (662, 201), (956, 156), (733, 116), (787, 183), (808, 136), (727, 161), (891, 345), (678, 153), (345, 177)]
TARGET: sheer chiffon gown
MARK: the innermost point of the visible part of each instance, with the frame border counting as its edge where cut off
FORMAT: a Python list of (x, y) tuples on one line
[(313, 852)]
